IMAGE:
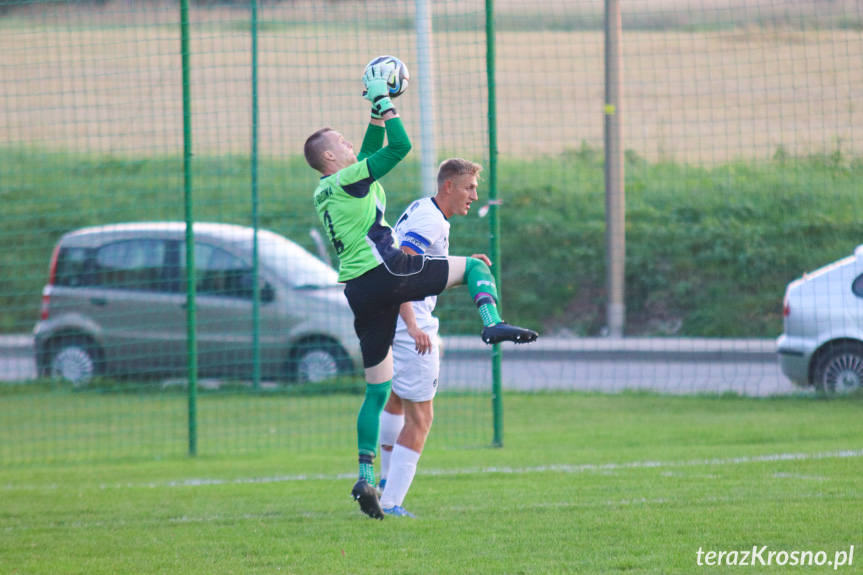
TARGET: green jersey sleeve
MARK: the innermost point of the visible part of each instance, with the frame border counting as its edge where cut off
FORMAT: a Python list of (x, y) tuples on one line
[(372, 142), (398, 146)]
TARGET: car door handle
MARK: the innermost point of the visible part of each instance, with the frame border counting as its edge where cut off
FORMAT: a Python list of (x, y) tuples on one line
[(99, 301)]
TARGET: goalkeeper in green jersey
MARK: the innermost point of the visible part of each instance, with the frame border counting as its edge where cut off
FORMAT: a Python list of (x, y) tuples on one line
[(378, 276)]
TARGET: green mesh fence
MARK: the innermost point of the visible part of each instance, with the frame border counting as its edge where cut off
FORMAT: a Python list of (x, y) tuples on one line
[(741, 128), (92, 172)]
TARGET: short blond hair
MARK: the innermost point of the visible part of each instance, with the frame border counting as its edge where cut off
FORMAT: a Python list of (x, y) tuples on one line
[(315, 147), (454, 167)]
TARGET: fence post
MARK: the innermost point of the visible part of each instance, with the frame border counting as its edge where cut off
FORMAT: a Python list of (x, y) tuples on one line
[(256, 300), (615, 199), (192, 343), (425, 66), (494, 217)]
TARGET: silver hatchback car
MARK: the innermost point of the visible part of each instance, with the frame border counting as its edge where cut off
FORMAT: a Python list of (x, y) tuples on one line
[(115, 305), (823, 317)]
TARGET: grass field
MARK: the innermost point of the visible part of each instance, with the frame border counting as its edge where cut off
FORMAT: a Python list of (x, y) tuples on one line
[(585, 484), (45, 423)]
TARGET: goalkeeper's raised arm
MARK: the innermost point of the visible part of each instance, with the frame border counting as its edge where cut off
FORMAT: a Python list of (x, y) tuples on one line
[(374, 138), (385, 120)]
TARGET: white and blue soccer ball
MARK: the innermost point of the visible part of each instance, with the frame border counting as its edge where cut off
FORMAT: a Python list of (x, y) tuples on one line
[(400, 77)]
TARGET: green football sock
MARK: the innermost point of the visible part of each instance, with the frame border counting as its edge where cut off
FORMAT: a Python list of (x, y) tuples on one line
[(369, 420), (489, 315), (483, 290), (367, 469)]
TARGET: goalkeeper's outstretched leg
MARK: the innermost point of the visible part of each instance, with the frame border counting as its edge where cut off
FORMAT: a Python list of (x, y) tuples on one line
[(475, 274)]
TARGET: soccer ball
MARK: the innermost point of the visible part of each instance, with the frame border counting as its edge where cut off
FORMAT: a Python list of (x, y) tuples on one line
[(398, 80)]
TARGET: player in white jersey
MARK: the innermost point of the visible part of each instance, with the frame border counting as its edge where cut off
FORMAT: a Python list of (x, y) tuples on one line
[(407, 417)]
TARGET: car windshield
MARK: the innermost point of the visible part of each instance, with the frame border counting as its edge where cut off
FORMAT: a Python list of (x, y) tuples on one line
[(289, 260)]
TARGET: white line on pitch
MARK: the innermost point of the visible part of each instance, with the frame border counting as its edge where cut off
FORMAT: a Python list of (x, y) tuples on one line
[(560, 468), (564, 468)]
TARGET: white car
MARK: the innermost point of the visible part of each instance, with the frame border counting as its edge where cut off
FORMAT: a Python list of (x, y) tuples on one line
[(823, 318)]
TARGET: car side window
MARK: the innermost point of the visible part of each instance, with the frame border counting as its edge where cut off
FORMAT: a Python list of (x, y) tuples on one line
[(130, 265), (72, 268), (220, 273), (857, 286)]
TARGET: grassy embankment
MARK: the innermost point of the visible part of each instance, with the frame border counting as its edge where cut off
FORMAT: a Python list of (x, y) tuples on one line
[(709, 250)]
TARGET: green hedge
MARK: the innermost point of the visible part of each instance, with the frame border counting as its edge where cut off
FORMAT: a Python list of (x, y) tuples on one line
[(709, 250)]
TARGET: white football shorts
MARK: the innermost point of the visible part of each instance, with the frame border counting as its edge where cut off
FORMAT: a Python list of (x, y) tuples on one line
[(415, 376)]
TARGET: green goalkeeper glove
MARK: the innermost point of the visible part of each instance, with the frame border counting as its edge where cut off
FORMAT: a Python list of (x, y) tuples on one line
[(377, 91)]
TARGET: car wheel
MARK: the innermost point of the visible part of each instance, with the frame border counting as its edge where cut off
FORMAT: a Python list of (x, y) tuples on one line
[(318, 361), (840, 369), (73, 360)]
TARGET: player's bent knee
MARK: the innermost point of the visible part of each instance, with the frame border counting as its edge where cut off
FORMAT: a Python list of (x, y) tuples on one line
[(471, 263), (420, 415), (479, 280), (457, 265)]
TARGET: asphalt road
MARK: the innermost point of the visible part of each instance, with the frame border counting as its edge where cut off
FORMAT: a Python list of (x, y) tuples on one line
[(667, 365), (677, 366), (677, 377)]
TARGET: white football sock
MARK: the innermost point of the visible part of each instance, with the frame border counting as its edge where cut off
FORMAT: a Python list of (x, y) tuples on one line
[(403, 467), (391, 426)]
